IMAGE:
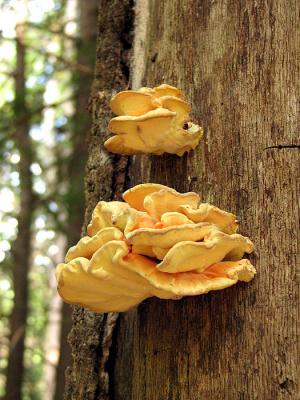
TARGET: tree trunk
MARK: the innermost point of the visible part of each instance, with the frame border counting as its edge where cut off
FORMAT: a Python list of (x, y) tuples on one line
[(75, 201), (237, 63), (21, 249), (105, 174)]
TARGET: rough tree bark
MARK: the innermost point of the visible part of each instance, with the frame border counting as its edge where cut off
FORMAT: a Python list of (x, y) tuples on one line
[(88, 12), (237, 62), (105, 178), (21, 249)]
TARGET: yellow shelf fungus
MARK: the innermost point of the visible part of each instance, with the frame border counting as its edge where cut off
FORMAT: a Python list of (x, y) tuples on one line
[(157, 243), (152, 121)]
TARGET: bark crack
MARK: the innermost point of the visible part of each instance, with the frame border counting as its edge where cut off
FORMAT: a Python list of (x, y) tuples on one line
[(111, 357), (283, 146)]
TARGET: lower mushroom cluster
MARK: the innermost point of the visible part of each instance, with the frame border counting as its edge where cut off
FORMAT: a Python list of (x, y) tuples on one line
[(157, 243)]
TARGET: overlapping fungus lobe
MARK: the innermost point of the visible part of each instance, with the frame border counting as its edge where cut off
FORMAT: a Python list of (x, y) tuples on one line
[(152, 121), (158, 243), (143, 221)]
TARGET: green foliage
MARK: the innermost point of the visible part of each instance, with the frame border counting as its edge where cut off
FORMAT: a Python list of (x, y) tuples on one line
[(49, 98)]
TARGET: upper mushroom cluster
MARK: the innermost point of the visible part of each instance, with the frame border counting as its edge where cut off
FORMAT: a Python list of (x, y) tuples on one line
[(152, 121), (157, 243)]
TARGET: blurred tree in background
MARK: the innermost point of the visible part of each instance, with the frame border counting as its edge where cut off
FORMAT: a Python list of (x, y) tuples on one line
[(46, 68), (21, 248), (74, 200)]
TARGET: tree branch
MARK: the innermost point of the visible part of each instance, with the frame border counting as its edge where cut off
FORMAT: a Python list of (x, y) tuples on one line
[(51, 105), (39, 110), (10, 74), (71, 64), (54, 31)]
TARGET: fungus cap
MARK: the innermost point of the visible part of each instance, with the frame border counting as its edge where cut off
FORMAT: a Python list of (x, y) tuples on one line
[(152, 121), (159, 242), (116, 280), (197, 256), (136, 195)]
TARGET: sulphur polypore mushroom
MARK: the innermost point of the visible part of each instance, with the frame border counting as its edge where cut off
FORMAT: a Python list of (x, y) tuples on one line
[(157, 243), (152, 121)]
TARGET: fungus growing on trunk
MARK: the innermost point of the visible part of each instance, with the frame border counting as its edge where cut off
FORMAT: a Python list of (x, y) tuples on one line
[(157, 243), (152, 121)]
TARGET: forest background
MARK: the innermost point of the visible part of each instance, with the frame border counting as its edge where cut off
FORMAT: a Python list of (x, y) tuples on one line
[(47, 52)]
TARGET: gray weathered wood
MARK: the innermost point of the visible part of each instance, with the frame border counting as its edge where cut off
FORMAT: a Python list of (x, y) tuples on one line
[(238, 63)]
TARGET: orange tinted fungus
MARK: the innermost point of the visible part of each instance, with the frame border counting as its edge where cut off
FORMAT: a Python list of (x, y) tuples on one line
[(157, 243), (142, 222), (152, 121)]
